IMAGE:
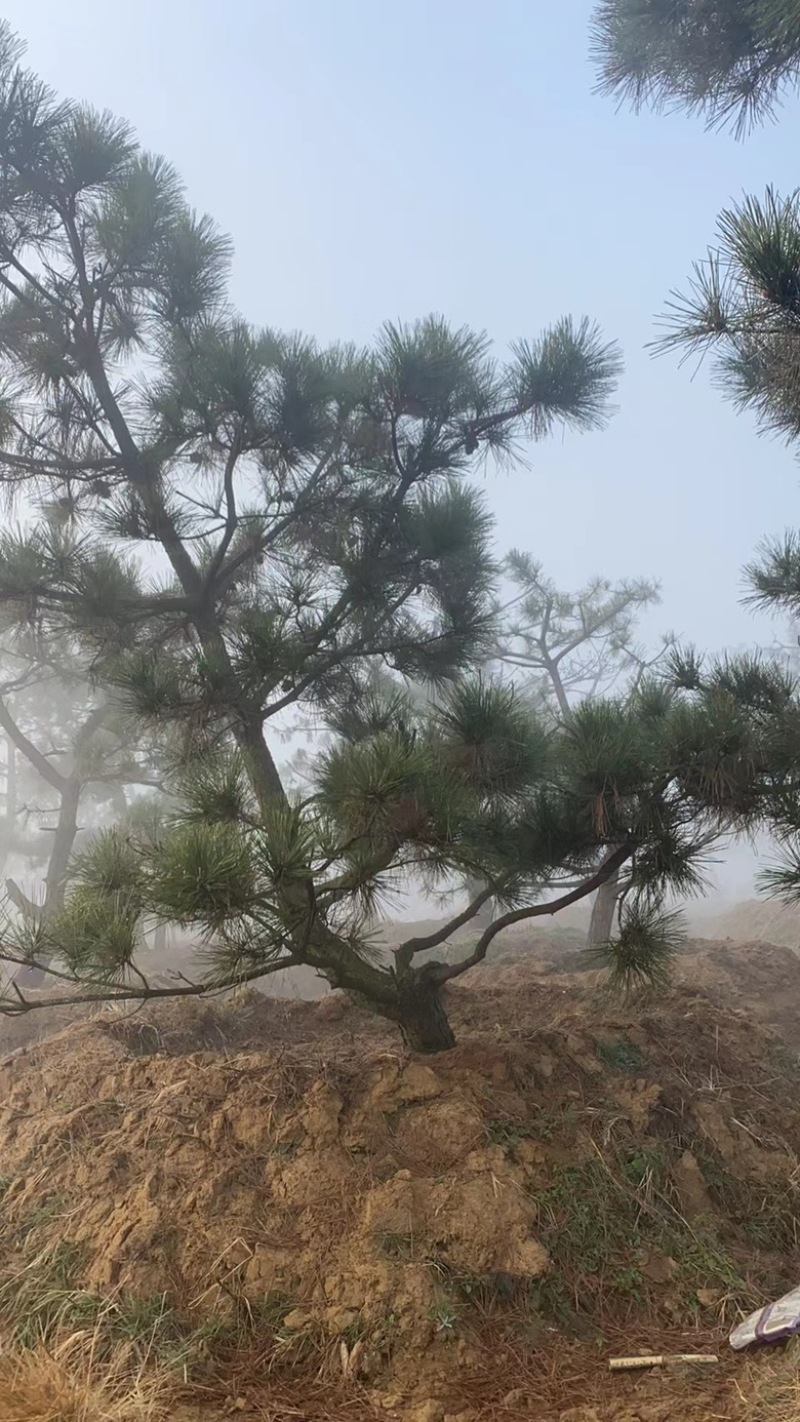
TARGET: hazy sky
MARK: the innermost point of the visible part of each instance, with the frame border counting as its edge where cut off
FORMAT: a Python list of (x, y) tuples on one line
[(374, 160)]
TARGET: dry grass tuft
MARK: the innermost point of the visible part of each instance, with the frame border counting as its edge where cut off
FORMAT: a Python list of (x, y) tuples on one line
[(772, 1390), (69, 1383)]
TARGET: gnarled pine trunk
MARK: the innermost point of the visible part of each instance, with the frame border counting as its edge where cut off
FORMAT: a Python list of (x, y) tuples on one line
[(422, 1017)]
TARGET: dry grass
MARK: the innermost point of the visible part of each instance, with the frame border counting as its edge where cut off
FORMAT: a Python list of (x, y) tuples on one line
[(772, 1388), (68, 1383)]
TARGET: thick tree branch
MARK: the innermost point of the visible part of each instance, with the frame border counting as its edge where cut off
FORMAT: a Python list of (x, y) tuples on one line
[(551, 668), (412, 946), (446, 972), (56, 465), (145, 606), (31, 752), (138, 468)]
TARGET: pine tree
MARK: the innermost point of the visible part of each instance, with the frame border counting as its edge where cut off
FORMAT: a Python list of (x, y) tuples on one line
[(73, 759), (740, 309), (71, 754), (730, 61), (542, 816), (567, 646), (246, 523)]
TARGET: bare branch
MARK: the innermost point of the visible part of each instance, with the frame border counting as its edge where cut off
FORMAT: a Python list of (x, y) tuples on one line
[(406, 951), (31, 752), (22, 1004), (454, 970), (231, 517)]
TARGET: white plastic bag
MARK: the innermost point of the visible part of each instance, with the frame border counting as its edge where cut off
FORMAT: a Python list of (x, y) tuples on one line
[(767, 1325)]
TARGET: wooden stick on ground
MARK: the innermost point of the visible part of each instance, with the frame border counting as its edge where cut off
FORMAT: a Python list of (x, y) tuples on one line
[(629, 1365)]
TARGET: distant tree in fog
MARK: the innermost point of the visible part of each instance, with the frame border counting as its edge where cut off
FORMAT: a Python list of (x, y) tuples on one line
[(563, 647), (71, 760), (568, 646), (249, 523), (787, 646)]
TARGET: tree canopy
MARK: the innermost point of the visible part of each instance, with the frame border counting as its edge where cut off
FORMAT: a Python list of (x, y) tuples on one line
[(740, 311), (731, 61), (741, 305), (740, 308), (71, 754), (231, 523), (542, 816)]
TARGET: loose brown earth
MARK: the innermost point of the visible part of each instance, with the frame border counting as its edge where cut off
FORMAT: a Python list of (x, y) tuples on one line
[(764, 920), (383, 1236)]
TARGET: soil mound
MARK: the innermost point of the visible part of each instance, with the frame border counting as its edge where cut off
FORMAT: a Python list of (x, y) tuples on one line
[(576, 1175), (761, 920), (551, 949), (760, 980)]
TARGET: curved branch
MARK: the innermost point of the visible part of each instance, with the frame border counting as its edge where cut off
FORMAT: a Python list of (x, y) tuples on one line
[(412, 946), (31, 752), (446, 972), (20, 1004)]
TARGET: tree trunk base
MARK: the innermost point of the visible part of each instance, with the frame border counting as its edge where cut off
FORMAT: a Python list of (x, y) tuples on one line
[(422, 1017)]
